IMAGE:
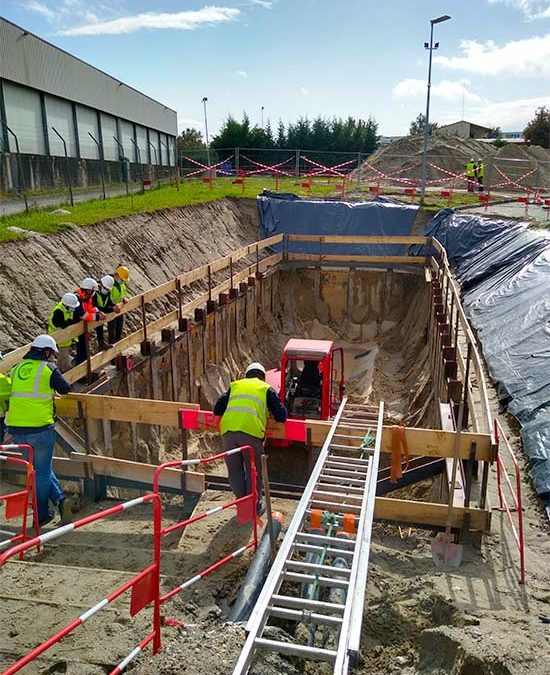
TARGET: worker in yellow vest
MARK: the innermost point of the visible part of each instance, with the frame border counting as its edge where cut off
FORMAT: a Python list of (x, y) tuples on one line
[(244, 409), (62, 316), (5, 387), (117, 294), (31, 420), (480, 174), (471, 174)]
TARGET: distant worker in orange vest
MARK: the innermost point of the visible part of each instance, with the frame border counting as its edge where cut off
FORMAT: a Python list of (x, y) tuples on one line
[(86, 311)]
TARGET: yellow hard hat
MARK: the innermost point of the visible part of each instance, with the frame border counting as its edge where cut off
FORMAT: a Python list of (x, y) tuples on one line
[(123, 273)]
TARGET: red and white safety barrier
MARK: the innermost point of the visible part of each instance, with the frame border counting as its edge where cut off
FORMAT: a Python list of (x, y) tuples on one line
[(331, 169), (273, 168), (19, 503), (208, 167)]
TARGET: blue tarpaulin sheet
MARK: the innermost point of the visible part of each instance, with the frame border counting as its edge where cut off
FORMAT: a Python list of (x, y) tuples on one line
[(289, 214), (504, 271)]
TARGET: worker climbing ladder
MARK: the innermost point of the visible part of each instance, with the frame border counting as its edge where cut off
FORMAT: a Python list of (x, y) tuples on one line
[(319, 576)]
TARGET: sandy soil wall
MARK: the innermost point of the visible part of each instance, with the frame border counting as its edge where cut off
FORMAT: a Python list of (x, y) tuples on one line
[(34, 273)]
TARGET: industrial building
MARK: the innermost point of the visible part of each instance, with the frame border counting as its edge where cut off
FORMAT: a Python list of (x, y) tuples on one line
[(48, 96)]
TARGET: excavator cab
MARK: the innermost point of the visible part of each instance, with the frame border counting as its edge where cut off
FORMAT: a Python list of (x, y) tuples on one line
[(312, 378)]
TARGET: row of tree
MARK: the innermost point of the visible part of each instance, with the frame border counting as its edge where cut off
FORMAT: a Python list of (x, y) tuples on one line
[(338, 135)]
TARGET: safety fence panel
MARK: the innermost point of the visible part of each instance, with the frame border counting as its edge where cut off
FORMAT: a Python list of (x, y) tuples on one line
[(20, 502), (503, 481), (246, 511), (144, 586)]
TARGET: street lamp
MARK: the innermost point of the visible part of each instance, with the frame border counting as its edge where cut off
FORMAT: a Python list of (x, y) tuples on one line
[(262, 117), (204, 100), (431, 46)]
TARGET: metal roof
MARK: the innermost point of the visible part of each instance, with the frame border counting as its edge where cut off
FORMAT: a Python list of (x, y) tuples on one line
[(308, 349)]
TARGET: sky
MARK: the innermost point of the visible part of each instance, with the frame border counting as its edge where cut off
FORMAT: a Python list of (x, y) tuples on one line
[(312, 57)]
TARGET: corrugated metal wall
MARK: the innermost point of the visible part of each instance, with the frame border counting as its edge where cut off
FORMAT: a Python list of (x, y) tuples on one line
[(59, 114), (111, 150), (24, 115), (28, 60), (87, 124)]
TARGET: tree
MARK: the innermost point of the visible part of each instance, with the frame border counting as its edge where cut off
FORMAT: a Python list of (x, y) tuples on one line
[(495, 132), (190, 139), (417, 126), (537, 131)]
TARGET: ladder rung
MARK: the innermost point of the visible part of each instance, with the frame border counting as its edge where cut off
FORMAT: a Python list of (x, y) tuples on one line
[(340, 488), (300, 565), (304, 615), (333, 552), (360, 420), (337, 495), (347, 462), (324, 538), (291, 601), (353, 448), (297, 650), (355, 438), (353, 475), (335, 507), (311, 578), (341, 479)]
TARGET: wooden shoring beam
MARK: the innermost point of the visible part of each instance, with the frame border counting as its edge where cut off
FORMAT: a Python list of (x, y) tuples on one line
[(363, 239), (377, 259), (421, 442), (430, 514)]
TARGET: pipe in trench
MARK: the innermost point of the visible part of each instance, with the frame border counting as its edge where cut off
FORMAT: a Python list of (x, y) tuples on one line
[(256, 575)]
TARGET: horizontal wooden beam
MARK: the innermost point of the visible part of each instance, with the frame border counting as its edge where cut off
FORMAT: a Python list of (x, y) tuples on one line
[(378, 259), (122, 409), (430, 514), (364, 239)]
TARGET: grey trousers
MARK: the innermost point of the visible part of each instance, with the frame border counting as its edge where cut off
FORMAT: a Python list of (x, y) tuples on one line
[(238, 464)]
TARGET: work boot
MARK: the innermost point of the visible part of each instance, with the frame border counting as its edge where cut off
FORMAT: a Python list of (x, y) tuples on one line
[(65, 511), (104, 345)]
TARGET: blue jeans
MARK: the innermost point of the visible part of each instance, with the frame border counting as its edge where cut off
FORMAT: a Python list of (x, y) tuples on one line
[(47, 485)]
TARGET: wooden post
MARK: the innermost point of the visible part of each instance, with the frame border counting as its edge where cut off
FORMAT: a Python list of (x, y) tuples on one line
[(269, 514)]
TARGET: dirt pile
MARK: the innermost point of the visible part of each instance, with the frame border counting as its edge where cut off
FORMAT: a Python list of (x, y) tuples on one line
[(156, 247), (521, 164)]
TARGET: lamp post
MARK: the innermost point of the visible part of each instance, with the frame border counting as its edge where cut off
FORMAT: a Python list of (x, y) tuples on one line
[(204, 100), (431, 46), (262, 117)]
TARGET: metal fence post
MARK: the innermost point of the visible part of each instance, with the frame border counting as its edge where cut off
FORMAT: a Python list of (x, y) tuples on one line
[(101, 167), (67, 169), (237, 162), (156, 163), (21, 180), (297, 164), (138, 153), (122, 158)]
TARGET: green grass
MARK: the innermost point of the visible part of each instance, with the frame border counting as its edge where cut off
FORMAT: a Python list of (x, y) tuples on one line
[(190, 192)]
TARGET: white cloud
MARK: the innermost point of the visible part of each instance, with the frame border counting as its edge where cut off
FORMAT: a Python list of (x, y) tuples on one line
[(448, 90), (268, 4), (532, 9), (523, 58), (512, 114), (304, 91), (189, 20), (242, 74), (40, 8)]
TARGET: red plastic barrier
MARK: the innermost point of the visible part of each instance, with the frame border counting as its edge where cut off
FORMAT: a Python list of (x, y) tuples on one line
[(18, 503), (246, 512), (502, 473), (145, 585)]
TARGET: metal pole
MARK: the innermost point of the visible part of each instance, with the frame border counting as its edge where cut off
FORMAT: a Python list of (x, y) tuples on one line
[(204, 100), (138, 153), (427, 119), (262, 117), (21, 180), (100, 153), (156, 162), (267, 493), (122, 158), (67, 170)]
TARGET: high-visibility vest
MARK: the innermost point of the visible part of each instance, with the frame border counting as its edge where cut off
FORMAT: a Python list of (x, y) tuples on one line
[(470, 169), (31, 398), (5, 388), (481, 169), (67, 314), (247, 407), (102, 300), (118, 292)]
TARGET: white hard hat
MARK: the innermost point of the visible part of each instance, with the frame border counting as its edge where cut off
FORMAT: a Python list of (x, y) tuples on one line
[(107, 281), (255, 366), (44, 342), (89, 284), (70, 300)]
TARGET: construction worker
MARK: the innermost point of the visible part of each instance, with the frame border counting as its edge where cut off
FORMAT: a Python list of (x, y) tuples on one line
[(471, 174), (244, 408), (118, 295), (31, 420), (480, 174), (62, 316), (86, 311), (104, 303), (5, 388)]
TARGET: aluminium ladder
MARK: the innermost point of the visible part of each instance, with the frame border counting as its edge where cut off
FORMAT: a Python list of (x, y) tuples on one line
[(342, 486)]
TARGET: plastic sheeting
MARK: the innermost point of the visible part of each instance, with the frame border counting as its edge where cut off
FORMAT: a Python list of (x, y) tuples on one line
[(504, 271), (290, 214)]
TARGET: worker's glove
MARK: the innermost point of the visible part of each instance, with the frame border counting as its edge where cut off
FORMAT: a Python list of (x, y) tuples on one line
[(124, 301), (116, 309), (100, 316)]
